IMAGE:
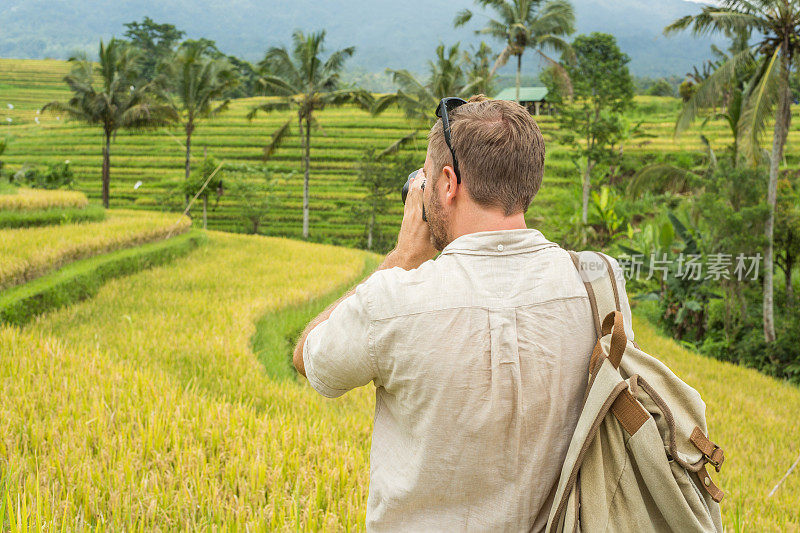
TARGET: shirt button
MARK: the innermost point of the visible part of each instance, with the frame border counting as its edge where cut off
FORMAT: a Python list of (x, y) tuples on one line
[(499, 247)]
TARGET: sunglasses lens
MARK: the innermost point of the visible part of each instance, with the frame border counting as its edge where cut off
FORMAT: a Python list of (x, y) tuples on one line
[(452, 104), (449, 105)]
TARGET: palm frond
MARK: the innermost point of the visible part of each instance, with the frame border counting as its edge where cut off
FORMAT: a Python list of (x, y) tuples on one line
[(462, 17), (562, 76), (220, 108), (383, 103), (336, 60), (708, 92), (277, 138), (392, 148), (556, 17), (501, 60), (70, 110), (267, 107), (661, 178), (759, 105), (280, 85)]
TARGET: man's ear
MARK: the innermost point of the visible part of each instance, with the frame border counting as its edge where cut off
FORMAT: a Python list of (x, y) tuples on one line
[(452, 187)]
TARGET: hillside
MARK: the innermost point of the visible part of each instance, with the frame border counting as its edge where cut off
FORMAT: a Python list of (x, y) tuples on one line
[(156, 158), (145, 407), (56, 28)]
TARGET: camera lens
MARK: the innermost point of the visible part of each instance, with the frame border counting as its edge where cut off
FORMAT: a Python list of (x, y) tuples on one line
[(404, 192)]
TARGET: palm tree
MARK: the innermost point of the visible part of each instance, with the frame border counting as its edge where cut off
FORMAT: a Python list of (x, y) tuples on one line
[(478, 69), (418, 99), (775, 23), (118, 104), (306, 84), (523, 24), (192, 84)]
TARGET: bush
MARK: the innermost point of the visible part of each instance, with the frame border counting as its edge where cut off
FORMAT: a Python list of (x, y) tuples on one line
[(661, 88), (82, 279), (58, 176), (50, 217)]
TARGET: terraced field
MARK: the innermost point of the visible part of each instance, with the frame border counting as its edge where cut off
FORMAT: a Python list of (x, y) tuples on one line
[(156, 158), (147, 408), (28, 253)]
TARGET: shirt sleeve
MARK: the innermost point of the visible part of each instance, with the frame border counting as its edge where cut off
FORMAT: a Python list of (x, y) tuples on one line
[(336, 353)]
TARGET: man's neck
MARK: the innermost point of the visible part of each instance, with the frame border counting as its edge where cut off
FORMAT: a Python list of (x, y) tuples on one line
[(486, 220)]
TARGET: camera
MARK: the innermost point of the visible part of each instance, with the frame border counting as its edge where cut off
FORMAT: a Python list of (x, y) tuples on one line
[(404, 192)]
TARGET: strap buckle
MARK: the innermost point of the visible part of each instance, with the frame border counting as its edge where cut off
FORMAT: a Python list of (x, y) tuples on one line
[(711, 452), (716, 463)]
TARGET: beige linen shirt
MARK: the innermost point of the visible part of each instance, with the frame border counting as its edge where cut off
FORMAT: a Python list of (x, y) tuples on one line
[(480, 360)]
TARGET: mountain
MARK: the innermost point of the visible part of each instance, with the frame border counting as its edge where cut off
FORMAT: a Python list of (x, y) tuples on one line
[(386, 34)]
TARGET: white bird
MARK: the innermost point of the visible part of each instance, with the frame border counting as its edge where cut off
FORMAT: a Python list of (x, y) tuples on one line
[(11, 106), (9, 119), (66, 162), (36, 119), (38, 111), (58, 118), (138, 184)]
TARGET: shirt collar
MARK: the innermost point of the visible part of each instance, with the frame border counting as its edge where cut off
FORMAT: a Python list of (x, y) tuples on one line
[(498, 242)]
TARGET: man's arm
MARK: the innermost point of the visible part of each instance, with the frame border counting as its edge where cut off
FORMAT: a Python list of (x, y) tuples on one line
[(413, 248)]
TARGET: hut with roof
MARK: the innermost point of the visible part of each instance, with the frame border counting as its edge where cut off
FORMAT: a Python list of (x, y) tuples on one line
[(534, 98)]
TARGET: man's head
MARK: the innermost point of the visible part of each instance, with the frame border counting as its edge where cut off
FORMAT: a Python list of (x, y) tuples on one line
[(500, 153)]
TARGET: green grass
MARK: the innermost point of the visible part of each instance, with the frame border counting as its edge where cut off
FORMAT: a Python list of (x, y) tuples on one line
[(277, 332), (82, 279), (50, 217)]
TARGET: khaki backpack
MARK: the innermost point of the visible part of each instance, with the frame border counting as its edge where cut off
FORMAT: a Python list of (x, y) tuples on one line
[(637, 459)]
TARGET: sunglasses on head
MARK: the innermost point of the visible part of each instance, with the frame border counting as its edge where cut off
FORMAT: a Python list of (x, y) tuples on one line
[(447, 105)]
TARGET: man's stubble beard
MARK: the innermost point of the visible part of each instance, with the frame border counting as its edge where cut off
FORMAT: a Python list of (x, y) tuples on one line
[(436, 222)]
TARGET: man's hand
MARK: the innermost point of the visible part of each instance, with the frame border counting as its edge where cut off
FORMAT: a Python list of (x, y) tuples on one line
[(414, 245)]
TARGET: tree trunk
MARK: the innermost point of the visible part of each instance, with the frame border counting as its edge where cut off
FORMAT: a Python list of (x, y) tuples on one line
[(370, 230), (306, 164), (782, 120), (519, 73), (188, 166), (106, 170), (587, 189), (788, 277), (205, 211)]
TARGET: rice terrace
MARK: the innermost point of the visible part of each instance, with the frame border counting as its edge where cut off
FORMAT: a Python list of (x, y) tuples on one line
[(172, 216)]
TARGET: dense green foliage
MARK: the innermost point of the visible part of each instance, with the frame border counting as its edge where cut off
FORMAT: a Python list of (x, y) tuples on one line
[(82, 279), (383, 179), (307, 84), (56, 176), (344, 135), (592, 122), (122, 100)]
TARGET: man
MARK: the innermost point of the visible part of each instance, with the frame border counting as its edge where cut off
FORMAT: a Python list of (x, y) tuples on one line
[(479, 357)]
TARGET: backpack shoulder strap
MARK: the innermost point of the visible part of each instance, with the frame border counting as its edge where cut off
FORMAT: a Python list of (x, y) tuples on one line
[(598, 277)]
